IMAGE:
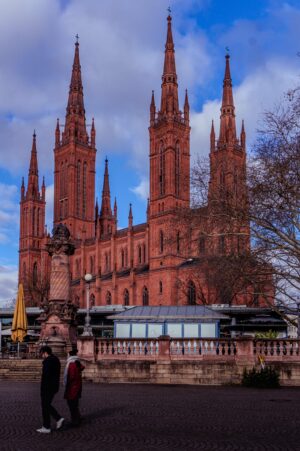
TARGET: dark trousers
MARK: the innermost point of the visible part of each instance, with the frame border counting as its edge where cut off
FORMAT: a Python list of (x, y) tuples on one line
[(48, 410), (74, 410)]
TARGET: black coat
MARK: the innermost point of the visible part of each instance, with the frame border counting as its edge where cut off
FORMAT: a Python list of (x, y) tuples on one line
[(50, 376)]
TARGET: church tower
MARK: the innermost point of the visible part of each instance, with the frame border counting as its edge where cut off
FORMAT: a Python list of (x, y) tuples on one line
[(75, 155), (169, 172), (227, 184), (169, 141), (32, 225)]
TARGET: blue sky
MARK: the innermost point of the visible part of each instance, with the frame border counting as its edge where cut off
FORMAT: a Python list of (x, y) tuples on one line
[(121, 48)]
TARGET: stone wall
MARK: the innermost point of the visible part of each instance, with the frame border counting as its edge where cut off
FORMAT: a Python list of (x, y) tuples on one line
[(181, 372)]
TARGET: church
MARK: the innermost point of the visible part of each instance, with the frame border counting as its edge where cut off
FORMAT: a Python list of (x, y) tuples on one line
[(163, 261)]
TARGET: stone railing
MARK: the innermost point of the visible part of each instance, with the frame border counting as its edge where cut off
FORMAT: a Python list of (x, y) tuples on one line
[(283, 349), (166, 348)]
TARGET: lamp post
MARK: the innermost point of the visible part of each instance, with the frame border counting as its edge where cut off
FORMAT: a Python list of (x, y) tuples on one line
[(87, 330)]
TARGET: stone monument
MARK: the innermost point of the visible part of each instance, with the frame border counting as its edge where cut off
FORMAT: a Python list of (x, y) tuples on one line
[(58, 320)]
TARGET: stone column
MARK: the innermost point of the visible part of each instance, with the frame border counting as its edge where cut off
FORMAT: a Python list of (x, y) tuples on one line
[(58, 328)]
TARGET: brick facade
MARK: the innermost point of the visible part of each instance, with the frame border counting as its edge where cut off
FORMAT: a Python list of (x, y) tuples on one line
[(151, 263)]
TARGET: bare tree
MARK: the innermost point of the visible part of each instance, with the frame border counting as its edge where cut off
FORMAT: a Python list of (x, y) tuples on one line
[(270, 212)]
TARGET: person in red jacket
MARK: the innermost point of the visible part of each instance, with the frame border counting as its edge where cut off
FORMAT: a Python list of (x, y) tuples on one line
[(73, 385)]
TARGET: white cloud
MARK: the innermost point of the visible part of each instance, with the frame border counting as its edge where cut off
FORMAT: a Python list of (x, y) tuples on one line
[(258, 92), (142, 189), (8, 283), (50, 206)]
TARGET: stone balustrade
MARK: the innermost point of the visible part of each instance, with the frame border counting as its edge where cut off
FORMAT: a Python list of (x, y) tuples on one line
[(166, 348)]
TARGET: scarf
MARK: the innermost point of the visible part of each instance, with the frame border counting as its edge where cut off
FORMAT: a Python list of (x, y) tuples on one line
[(70, 359)]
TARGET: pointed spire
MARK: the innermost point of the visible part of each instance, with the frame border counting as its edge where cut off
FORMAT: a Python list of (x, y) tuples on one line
[(130, 217), (243, 136), (96, 209), (23, 189), (75, 127), (169, 96), (43, 189), (105, 206), (227, 126), (115, 208), (152, 109), (33, 174), (93, 134), (212, 136), (186, 107), (57, 134)]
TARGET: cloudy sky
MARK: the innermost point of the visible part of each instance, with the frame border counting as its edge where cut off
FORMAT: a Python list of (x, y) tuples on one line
[(121, 49)]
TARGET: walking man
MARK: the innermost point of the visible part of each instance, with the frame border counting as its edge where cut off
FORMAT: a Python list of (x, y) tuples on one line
[(49, 387), (73, 385)]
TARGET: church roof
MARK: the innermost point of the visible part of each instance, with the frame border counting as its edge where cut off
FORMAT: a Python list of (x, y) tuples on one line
[(169, 312)]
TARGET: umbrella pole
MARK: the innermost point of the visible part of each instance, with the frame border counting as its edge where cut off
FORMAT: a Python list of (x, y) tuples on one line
[(18, 349)]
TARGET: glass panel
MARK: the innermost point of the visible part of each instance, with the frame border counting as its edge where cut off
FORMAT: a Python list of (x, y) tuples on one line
[(208, 330), (138, 330), (155, 330), (122, 330), (174, 330), (191, 330)]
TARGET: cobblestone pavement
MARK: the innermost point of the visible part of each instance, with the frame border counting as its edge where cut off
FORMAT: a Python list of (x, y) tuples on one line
[(155, 417)]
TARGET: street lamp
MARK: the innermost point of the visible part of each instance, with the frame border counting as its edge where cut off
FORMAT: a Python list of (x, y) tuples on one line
[(87, 330)]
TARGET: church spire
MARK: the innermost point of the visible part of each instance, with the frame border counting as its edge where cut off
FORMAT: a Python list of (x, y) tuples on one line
[(227, 126), (33, 173), (169, 95), (105, 206), (75, 127)]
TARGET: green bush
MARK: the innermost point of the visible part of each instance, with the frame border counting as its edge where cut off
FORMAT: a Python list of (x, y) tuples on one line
[(263, 378)]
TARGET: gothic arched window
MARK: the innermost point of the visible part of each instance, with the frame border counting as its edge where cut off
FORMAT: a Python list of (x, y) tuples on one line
[(222, 244), (201, 245), (92, 264), (122, 258), (125, 257), (78, 187), (33, 220), (160, 287), (145, 296), (92, 300), (38, 222), (108, 298), (24, 271), (139, 254), (161, 169), (191, 294), (35, 274), (84, 189), (178, 241), (161, 241), (177, 168), (126, 297)]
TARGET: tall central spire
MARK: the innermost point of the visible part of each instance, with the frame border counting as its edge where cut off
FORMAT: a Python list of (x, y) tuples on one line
[(227, 126), (169, 96), (33, 174), (75, 127), (106, 206)]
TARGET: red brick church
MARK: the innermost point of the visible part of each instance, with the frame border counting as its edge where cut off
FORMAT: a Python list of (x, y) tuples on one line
[(163, 261)]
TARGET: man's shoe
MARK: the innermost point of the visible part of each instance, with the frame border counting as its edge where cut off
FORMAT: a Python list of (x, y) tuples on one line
[(59, 423), (44, 430)]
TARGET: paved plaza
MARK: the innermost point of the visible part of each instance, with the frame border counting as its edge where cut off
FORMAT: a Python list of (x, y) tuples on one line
[(155, 417)]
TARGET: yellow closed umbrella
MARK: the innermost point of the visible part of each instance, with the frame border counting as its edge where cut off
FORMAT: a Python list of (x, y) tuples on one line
[(19, 325)]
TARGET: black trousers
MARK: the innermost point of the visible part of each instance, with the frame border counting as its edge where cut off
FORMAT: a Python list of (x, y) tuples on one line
[(48, 410), (74, 410)]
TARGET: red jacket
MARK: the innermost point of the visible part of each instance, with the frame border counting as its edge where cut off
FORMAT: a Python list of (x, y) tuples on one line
[(74, 381)]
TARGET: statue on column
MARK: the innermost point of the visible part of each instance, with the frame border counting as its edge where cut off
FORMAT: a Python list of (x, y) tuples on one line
[(58, 319)]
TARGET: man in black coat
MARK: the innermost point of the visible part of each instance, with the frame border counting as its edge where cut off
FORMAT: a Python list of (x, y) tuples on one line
[(49, 387)]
